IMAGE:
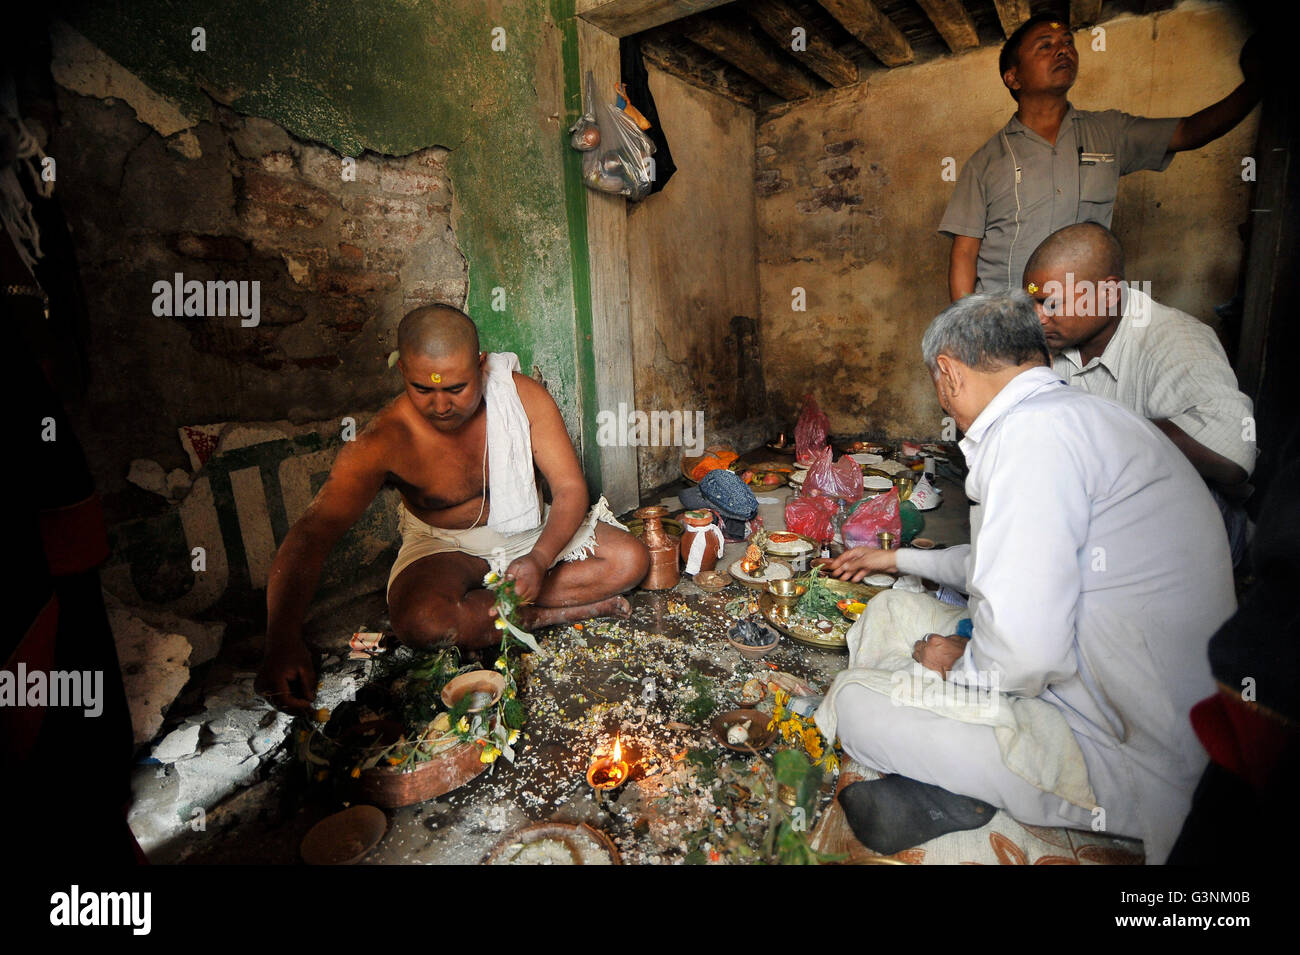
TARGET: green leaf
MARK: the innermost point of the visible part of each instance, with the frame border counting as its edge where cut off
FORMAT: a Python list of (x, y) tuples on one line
[(791, 766)]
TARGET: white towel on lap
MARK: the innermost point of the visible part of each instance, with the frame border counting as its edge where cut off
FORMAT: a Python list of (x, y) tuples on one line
[(1035, 741), (511, 482)]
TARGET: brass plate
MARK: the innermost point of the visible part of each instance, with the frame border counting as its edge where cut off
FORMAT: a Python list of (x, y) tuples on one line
[(782, 618)]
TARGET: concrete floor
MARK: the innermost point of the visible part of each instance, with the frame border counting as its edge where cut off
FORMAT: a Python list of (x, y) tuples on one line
[(592, 687)]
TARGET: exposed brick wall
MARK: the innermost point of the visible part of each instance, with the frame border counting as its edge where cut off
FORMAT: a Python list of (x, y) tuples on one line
[(338, 263)]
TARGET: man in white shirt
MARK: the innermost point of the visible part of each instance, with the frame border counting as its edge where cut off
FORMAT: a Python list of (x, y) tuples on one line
[(1110, 338), (1097, 573)]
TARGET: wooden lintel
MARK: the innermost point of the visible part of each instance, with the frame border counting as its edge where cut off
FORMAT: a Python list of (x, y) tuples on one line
[(953, 23), (625, 17), (1084, 12), (877, 32), (670, 59), (815, 52), (742, 50), (1011, 13)]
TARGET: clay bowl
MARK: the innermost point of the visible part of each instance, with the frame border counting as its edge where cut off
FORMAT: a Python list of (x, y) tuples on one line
[(476, 681), (759, 735), (712, 581), (345, 837), (755, 653), (786, 592)]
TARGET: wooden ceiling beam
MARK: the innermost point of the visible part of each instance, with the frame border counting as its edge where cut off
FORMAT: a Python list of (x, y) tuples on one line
[(877, 32), (626, 17), (1011, 13), (953, 23), (779, 22), (742, 50), (663, 55)]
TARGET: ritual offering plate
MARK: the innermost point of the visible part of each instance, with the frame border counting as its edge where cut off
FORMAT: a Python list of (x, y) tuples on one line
[(866, 458), (886, 468), (775, 570), (555, 843), (788, 544), (876, 484), (817, 620), (863, 447), (739, 730)]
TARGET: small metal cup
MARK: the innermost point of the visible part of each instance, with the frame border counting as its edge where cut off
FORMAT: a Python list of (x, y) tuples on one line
[(885, 540)]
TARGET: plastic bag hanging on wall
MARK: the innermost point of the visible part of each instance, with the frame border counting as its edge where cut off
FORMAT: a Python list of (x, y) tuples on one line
[(617, 157), (637, 82)]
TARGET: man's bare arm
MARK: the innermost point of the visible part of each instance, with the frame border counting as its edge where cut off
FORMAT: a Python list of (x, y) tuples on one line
[(961, 266), (1209, 124), (286, 677), (1209, 464)]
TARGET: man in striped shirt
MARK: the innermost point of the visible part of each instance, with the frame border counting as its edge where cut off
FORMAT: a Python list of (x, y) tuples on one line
[(1111, 339)]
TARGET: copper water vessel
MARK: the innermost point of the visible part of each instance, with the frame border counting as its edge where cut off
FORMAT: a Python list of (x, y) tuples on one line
[(664, 573)]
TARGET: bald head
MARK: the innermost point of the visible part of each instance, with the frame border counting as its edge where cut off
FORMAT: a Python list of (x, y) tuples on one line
[(437, 332), (1087, 249)]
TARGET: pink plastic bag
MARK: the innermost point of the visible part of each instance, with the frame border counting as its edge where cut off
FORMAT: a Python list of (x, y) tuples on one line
[(810, 432), (843, 479), (878, 514), (811, 517)]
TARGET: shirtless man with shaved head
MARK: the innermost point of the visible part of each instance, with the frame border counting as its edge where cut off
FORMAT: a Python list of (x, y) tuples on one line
[(432, 444)]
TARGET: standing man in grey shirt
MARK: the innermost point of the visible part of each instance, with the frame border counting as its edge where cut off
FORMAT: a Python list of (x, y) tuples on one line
[(1053, 165)]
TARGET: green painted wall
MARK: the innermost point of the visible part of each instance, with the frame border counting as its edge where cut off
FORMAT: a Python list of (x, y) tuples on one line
[(395, 76)]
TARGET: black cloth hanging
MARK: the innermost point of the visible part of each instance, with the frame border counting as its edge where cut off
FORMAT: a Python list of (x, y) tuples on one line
[(637, 82)]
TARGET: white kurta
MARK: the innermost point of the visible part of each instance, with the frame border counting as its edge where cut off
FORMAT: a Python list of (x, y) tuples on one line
[(1098, 569)]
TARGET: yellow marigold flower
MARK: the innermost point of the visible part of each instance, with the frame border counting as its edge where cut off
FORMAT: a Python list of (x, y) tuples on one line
[(462, 726), (812, 742), (489, 754)]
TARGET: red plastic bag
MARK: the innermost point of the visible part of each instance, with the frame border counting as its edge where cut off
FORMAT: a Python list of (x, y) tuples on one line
[(810, 432), (842, 480), (811, 517), (878, 514)]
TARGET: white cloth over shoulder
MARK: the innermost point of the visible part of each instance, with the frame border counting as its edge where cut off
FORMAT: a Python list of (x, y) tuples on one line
[(511, 482), (1032, 735)]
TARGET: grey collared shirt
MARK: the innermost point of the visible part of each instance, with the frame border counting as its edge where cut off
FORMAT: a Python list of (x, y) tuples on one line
[(1074, 180)]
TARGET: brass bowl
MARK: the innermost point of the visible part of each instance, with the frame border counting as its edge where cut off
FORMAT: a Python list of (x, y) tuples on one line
[(786, 592)]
